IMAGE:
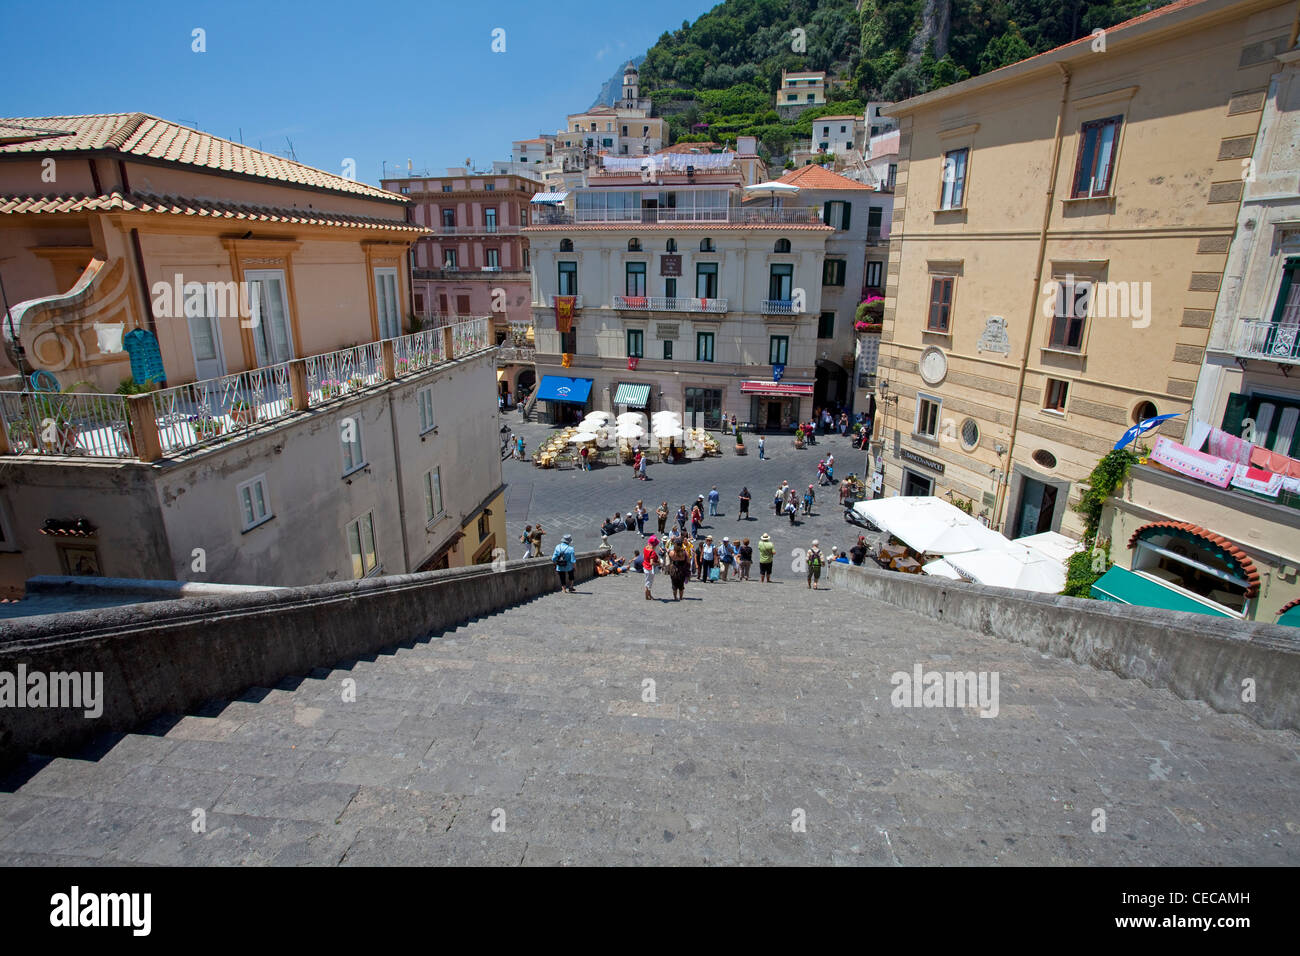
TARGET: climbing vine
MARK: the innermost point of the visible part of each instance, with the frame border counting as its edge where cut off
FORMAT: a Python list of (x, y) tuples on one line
[(1086, 566)]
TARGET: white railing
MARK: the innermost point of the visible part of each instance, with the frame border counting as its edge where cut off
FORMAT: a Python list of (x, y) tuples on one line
[(1276, 342), (203, 412), (336, 374), (516, 353), (418, 351), (472, 336), (655, 303), (779, 307), (731, 214), (511, 229), (80, 424)]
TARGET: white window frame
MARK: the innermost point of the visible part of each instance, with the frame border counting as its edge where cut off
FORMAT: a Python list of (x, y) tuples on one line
[(921, 399), (388, 314), (424, 399), (432, 481), (248, 518), (360, 553), (352, 461)]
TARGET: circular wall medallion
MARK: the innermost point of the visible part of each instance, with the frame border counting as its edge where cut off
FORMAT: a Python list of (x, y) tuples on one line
[(1044, 458), (970, 434), (933, 365)]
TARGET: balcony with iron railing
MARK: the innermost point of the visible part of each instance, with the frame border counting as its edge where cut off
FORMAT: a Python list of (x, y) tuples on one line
[(779, 307), (184, 418), (1267, 341), (525, 354), (487, 229), (763, 215), (655, 303)]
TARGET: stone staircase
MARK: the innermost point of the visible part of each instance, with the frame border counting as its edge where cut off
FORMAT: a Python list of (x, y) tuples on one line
[(524, 738)]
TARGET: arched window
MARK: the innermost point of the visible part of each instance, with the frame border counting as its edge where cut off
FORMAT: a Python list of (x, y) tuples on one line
[(706, 245), (782, 245), (566, 245), (634, 245), (671, 246)]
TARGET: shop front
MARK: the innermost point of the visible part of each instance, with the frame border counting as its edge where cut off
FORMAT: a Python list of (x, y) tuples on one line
[(565, 398), (776, 406)]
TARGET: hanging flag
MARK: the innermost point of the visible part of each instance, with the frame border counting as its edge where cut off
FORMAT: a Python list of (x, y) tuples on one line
[(631, 364), (564, 306), (566, 359), (1143, 427), (777, 372)]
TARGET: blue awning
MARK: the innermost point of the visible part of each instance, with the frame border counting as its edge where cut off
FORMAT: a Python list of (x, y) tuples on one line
[(1124, 587), (557, 388), (632, 395)]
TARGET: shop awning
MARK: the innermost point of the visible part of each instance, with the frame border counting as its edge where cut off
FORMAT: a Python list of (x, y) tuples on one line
[(1291, 618), (548, 198), (557, 388), (1125, 587), (777, 388), (632, 395)]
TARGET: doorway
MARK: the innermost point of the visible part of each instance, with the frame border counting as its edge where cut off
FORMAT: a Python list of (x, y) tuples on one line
[(916, 485), (272, 337), (1037, 507), (205, 340)]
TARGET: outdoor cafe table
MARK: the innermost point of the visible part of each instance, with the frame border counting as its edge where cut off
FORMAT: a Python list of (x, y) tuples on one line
[(907, 565)]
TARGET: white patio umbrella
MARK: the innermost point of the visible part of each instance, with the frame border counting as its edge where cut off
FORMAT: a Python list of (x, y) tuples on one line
[(1016, 567), (597, 416), (942, 569), (581, 438), (665, 432), (930, 525), (773, 188), (631, 431), (630, 418)]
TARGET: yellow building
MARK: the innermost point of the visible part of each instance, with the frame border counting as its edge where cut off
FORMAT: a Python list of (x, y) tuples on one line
[(1060, 232)]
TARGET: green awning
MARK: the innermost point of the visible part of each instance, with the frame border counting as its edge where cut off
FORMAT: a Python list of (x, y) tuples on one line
[(1291, 618), (632, 395), (1125, 587)]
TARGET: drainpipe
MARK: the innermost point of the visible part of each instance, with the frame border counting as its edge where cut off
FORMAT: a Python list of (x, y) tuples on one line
[(1034, 293), (139, 256), (401, 498)]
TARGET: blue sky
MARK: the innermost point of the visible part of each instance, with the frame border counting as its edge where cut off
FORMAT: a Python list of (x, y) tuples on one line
[(373, 82)]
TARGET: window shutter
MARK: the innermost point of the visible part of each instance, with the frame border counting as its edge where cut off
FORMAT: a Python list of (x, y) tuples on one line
[(826, 213), (1235, 412), (848, 208)]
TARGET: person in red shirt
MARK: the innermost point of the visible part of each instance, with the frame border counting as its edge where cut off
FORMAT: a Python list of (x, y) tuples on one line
[(649, 558)]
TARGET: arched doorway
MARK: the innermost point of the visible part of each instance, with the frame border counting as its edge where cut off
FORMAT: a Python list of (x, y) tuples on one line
[(525, 384), (831, 387)]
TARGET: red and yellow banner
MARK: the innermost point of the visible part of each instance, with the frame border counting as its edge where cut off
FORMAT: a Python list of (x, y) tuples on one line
[(566, 359), (564, 306)]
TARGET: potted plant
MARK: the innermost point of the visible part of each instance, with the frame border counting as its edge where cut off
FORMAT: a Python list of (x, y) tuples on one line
[(243, 413), (205, 426), (740, 442), (355, 383), (870, 314), (403, 366), (53, 412), (331, 387)]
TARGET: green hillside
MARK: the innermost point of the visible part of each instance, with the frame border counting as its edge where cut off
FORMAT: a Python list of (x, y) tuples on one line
[(716, 78)]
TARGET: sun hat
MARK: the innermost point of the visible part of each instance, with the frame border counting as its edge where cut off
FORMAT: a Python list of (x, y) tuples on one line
[(568, 538), (726, 539), (765, 537), (653, 540), (814, 542)]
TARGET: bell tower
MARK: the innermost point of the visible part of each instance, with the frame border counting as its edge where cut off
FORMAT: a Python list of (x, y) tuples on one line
[(631, 86)]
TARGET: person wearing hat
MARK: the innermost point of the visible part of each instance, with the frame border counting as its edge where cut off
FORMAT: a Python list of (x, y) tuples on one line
[(766, 555), (708, 555), (649, 558), (565, 561), (726, 557), (814, 560)]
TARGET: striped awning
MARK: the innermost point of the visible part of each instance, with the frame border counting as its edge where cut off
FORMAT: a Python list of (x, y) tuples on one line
[(632, 395), (549, 198)]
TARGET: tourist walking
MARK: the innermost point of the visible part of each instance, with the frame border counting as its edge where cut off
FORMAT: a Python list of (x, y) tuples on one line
[(649, 561), (726, 558), (746, 556), (808, 500), (584, 453), (761, 446), (641, 516), (708, 555), (536, 538), (713, 501), (565, 561), (766, 555), (682, 518), (678, 567), (744, 503), (527, 540), (662, 514), (814, 559), (645, 461), (697, 519), (522, 456), (858, 553)]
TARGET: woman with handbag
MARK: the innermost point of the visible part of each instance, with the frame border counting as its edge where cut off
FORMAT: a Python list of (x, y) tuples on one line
[(708, 554)]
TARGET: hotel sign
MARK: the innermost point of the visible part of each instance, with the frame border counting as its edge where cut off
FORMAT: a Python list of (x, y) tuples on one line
[(670, 265), (914, 458)]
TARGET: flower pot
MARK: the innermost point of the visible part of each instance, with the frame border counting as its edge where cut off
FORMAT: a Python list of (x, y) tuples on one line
[(740, 449), (243, 416)]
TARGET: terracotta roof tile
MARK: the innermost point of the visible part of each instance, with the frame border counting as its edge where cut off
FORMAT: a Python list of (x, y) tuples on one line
[(145, 136), (1248, 569), (202, 208), (1288, 605), (814, 177)]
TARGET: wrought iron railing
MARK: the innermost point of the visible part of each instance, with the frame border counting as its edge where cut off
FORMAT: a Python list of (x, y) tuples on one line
[(79, 424), (1274, 341), (779, 307), (655, 303), (728, 214), (335, 374), (204, 412), (416, 352)]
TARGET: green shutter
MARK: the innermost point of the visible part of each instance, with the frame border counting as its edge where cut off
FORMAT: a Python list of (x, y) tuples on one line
[(848, 209), (826, 212), (1290, 268), (1235, 412)]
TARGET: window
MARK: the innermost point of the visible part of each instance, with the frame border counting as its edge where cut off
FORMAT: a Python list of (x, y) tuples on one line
[(635, 279), (837, 214), (493, 258), (424, 398), (782, 245), (833, 271), (670, 288), (568, 278), (1044, 459), (826, 326), (706, 280), (704, 346), (670, 246), (386, 305), (778, 349), (843, 129), (607, 142), (1072, 298), (254, 502), (489, 220), (449, 258), (449, 218), (954, 179), (446, 188), (892, 177), (350, 439), (566, 245), (927, 417), (1097, 141), (361, 544), (875, 215), (1144, 410), (433, 495), (970, 434), (634, 245), (635, 343), (1055, 396), (490, 187), (779, 283), (624, 130), (1272, 422), (526, 259), (1286, 311), (875, 270), (668, 350), (941, 289), (706, 245), (703, 403), (484, 528), (406, 190)]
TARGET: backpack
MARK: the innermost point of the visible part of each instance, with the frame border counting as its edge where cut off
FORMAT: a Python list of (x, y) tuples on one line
[(815, 560)]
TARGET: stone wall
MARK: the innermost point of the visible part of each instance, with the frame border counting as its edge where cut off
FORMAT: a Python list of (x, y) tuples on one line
[(170, 657), (1195, 656)]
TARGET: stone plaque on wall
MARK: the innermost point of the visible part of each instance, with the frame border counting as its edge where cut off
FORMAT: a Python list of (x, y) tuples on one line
[(994, 338), (667, 330)]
